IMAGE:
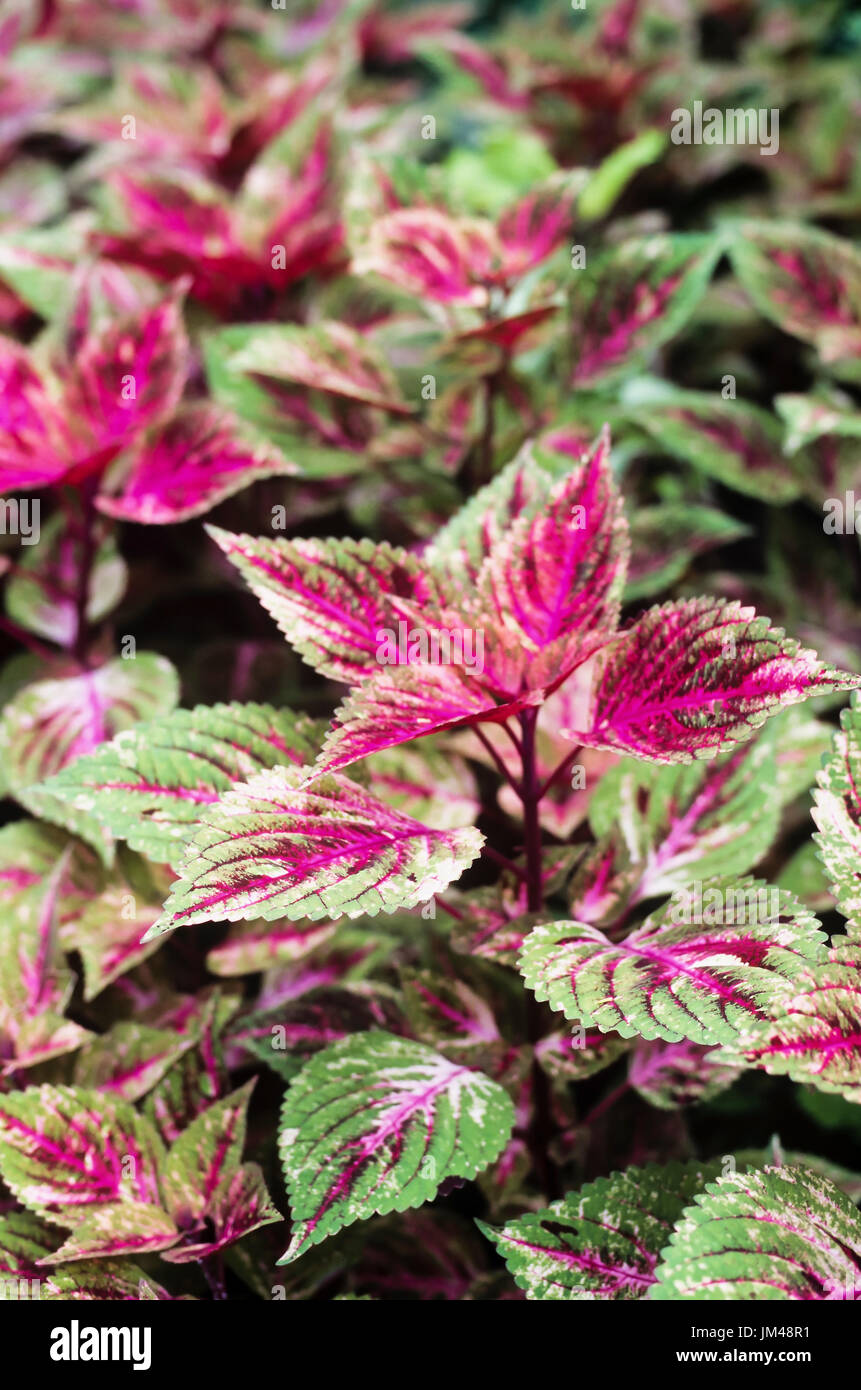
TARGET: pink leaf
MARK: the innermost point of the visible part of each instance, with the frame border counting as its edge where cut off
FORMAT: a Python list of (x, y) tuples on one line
[(195, 460), (691, 677), (405, 702), (329, 598), (272, 849), (430, 254), (555, 579)]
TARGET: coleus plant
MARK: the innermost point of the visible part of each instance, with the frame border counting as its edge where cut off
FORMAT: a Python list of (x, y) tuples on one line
[(393, 1097), (464, 992)]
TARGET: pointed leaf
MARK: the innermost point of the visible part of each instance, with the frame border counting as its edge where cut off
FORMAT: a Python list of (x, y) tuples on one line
[(24, 1241), (239, 1205), (116, 1229), (775, 1234), (35, 984), (49, 724), (815, 1035), (669, 1075), (634, 299), (701, 979), (431, 255), (406, 702), (603, 1241), (195, 460), (150, 785), (733, 441), (42, 593), (329, 598), (693, 676), (209, 1150), (805, 280), (374, 1124), (129, 1059), (556, 577), (271, 849)]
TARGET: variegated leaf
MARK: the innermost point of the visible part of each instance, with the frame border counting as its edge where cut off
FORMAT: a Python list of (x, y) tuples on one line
[(604, 1241), (837, 813), (718, 817), (374, 1124), (50, 723), (66, 1152), (331, 599), (692, 677), (151, 784), (768, 1234), (814, 1037), (271, 848), (635, 298), (696, 970)]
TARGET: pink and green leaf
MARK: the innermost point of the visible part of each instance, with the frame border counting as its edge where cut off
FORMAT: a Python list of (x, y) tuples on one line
[(375, 1124), (273, 848), (702, 975)]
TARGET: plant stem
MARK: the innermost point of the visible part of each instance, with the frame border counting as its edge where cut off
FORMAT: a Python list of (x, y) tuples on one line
[(541, 1127), (213, 1272), (560, 770), (88, 556), (604, 1104), (482, 737), (503, 861), (485, 447), (452, 911), (531, 795), (27, 639)]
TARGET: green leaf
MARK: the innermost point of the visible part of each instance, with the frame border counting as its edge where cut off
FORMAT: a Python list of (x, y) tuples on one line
[(42, 592), (813, 1036), (374, 1124), (666, 538), (150, 784), (837, 813), (129, 1059), (209, 1150), (733, 441), (50, 723), (698, 969), (772, 1234), (122, 1228), (603, 1241), (712, 819), (634, 299)]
